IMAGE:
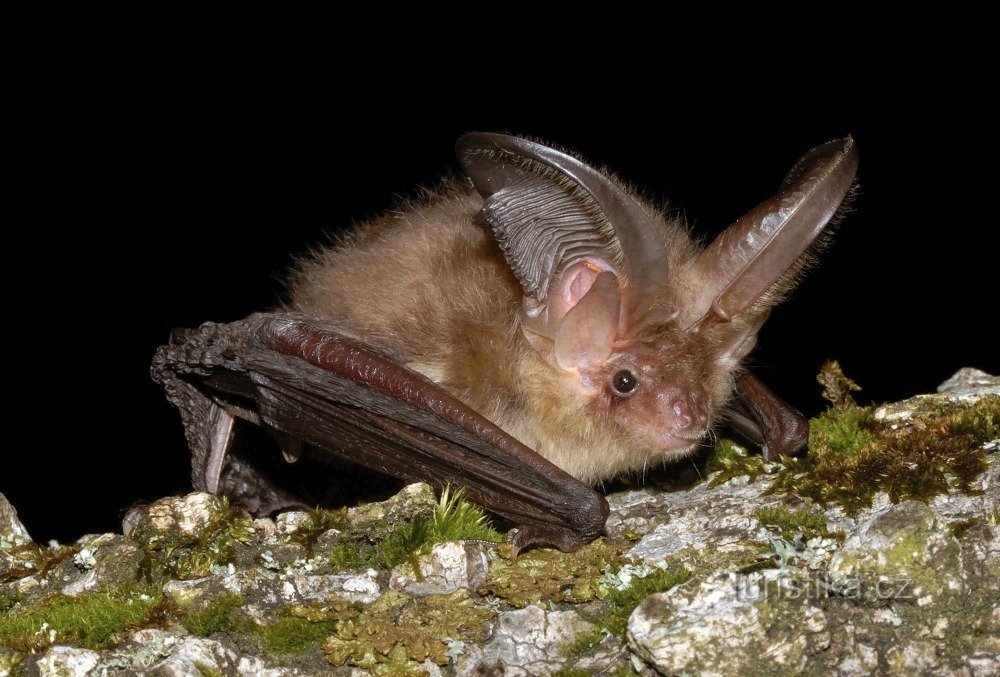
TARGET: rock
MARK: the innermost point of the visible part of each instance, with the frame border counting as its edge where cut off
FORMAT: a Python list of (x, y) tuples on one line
[(529, 641), (703, 521), (63, 661), (12, 532), (181, 515), (968, 381), (448, 567), (965, 387), (415, 500), (158, 652), (899, 552), (9, 660), (732, 624), (288, 523), (861, 659), (112, 560), (914, 657)]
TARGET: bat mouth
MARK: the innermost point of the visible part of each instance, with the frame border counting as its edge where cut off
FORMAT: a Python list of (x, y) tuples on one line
[(673, 443)]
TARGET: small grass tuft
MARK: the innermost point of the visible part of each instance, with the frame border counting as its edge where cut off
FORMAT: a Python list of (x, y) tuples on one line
[(454, 519)]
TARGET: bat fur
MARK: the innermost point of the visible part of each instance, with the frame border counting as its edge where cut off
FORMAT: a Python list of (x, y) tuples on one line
[(429, 283)]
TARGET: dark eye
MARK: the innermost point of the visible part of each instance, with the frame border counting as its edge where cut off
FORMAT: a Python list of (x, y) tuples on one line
[(624, 382)]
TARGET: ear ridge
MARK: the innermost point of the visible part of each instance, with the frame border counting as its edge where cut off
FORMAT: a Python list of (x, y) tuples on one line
[(515, 174), (544, 226)]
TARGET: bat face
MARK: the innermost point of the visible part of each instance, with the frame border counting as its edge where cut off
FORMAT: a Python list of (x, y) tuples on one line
[(647, 327), (657, 390)]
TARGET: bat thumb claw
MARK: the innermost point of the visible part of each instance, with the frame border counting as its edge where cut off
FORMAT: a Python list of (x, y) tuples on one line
[(532, 535)]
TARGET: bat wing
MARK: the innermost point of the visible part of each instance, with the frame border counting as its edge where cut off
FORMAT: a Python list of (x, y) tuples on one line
[(310, 383)]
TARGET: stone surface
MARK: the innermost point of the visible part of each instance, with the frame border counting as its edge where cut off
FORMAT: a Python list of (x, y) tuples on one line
[(448, 567), (732, 624), (64, 661), (528, 641), (12, 532), (185, 515)]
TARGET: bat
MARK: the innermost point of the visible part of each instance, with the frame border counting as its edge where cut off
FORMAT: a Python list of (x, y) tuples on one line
[(524, 332)]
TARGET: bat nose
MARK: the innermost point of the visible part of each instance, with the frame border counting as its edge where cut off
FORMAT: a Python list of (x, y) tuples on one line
[(686, 413), (682, 414)]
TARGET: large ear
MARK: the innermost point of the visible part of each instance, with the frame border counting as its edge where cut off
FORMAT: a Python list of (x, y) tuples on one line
[(750, 258), (562, 225)]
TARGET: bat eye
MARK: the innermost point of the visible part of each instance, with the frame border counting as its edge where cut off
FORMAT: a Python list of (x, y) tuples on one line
[(624, 382)]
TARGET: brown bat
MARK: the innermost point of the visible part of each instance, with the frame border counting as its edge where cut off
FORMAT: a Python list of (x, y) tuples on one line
[(524, 333)]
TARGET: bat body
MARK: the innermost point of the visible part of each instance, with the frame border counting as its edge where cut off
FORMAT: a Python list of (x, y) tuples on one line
[(579, 323)]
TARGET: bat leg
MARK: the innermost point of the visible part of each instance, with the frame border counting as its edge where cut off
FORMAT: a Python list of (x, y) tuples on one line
[(766, 420)]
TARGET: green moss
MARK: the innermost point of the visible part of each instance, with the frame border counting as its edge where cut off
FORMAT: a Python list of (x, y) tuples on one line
[(184, 556), (793, 522), (730, 460), (454, 519), (320, 521), (958, 529), (980, 421), (841, 430), (208, 670), (853, 456), (93, 620), (294, 635), (219, 616), (837, 388), (571, 672), (619, 605), (622, 603), (31, 558), (8, 600)]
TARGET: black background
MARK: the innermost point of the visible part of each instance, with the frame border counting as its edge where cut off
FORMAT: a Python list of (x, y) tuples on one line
[(153, 207)]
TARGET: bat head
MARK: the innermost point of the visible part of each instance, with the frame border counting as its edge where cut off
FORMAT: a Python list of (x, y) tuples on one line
[(651, 326)]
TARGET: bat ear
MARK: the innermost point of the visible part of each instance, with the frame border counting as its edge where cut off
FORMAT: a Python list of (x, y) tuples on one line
[(587, 332), (745, 270), (563, 226)]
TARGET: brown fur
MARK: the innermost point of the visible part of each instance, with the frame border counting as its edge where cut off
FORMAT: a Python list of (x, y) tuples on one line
[(428, 283)]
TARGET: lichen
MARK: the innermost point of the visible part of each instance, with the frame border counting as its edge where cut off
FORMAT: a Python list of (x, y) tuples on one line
[(93, 620), (398, 632), (184, 556), (804, 524), (550, 576)]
